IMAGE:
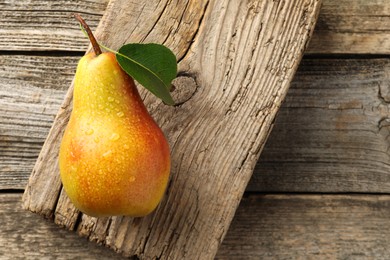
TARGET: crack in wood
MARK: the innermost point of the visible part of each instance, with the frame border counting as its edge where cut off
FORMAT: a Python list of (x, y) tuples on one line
[(384, 122), (384, 99), (195, 34), (156, 21)]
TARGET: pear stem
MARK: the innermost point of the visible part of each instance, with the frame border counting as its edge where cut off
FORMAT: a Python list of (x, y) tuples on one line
[(92, 38)]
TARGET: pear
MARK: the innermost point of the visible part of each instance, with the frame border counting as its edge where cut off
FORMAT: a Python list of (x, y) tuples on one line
[(114, 159)]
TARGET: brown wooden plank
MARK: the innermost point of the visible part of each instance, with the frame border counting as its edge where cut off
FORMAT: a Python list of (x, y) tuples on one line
[(332, 132), (352, 26), (264, 227), (309, 227), (344, 26), (219, 44), (31, 92), (43, 25), (23, 235), (324, 138)]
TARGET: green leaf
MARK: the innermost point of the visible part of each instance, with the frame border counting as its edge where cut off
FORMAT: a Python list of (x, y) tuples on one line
[(153, 65)]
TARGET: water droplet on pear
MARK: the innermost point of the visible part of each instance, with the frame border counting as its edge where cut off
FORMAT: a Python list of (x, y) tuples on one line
[(89, 131), (114, 136), (107, 154)]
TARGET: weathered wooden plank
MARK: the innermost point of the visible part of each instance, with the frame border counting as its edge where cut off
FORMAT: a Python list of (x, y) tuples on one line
[(332, 133), (37, 71), (264, 227), (352, 26), (46, 25), (326, 136), (31, 92), (309, 227), (219, 44), (23, 235), (344, 26)]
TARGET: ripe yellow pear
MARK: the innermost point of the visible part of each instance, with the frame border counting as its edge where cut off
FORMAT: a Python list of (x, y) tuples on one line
[(114, 159)]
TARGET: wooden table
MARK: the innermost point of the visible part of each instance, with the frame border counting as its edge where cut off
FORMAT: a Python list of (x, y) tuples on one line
[(321, 186)]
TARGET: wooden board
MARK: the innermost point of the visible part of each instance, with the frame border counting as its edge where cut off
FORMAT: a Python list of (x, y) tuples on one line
[(352, 27), (309, 227), (32, 89), (44, 25), (218, 45), (332, 133), (324, 140), (23, 235), (264, 227), (343, 27)]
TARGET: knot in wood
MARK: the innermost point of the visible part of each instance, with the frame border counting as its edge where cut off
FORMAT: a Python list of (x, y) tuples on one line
[(184, 87)]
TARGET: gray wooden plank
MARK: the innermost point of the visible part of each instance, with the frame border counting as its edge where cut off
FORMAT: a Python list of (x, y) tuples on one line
[(344, 26), (332, 132), (24, 235), (233, 107), (45, 25), (309, 227), (264, 227), (352, 26), (32, 89)]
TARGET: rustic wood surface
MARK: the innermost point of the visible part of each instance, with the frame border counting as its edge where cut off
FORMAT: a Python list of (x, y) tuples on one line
[(265, 227), (309, 227), (33, 84), (218, 44), (32, 89), (352, 27), (344, 26), (331, 133), (45, 25), (24, 235)]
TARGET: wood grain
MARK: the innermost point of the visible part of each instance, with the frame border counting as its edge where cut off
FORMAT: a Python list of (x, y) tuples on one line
[(309, 227), (23, 235), (31, 92), (332, 133), (344, 26), (44, 25), (219, 47), (264, 227), (352, 27)]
